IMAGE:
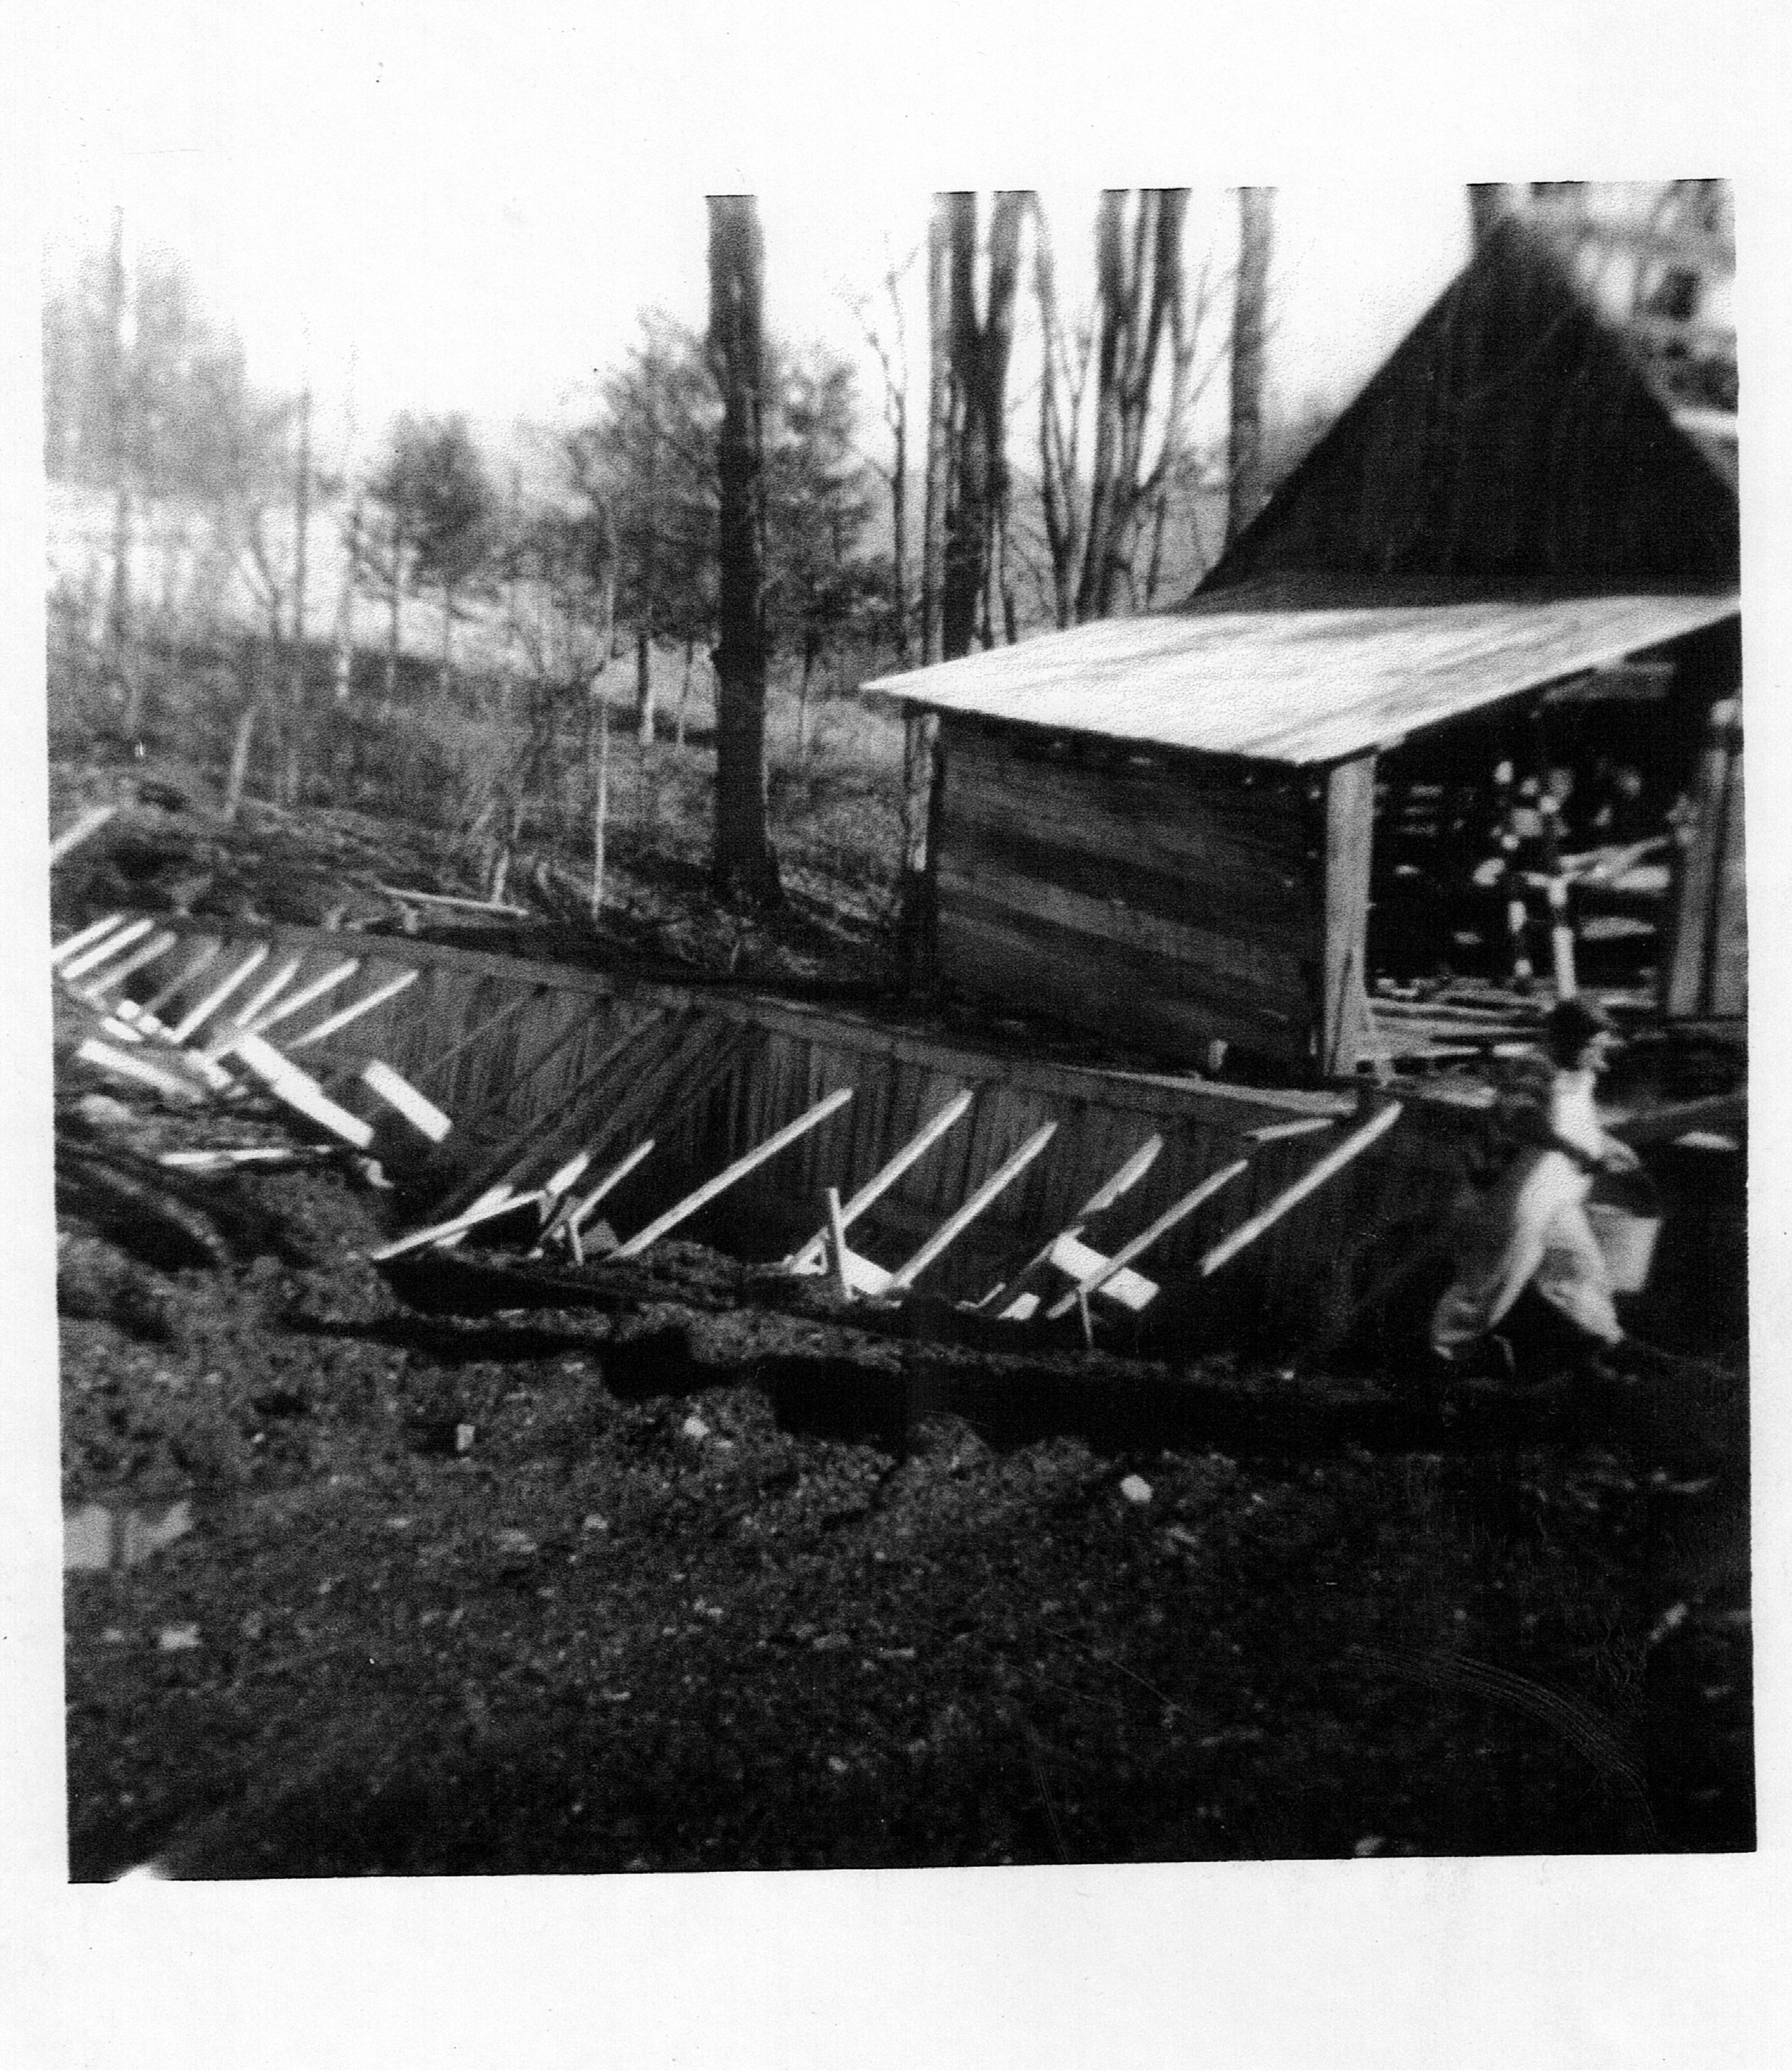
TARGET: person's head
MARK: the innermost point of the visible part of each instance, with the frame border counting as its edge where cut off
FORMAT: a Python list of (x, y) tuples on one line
[(1579, 1035)]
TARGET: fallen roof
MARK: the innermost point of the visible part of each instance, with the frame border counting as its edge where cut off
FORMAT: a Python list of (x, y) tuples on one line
[(1250, 674)]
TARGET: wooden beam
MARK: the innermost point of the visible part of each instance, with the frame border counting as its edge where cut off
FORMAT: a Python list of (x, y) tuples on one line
[(195, 1018), (315, 990), (103, 952), (123, 1065), (366, 1004), (500, 1202), (146, 953), (707, 1192), (1176, 1213), (397, 1092), (453, 1050), (1315, 1178), (523, 1145), (957, 1223), (72, 946), (812, 1255), (1349, 808), (298, 1090), (208, 955), (836, 1229), (1120, 1182), (90, 822), (1273, 1133), (252, 1006), (570, 1215)]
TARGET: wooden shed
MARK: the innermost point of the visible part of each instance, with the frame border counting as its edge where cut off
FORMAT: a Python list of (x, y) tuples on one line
[(1162, 827)]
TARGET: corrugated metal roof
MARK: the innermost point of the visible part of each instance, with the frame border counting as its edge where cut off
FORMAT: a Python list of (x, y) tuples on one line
[(1298, 685)]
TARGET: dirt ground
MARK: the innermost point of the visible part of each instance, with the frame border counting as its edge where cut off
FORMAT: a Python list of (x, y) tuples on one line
[(694, 1583)]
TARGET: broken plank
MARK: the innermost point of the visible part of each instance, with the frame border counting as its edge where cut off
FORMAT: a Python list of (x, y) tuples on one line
[(298, 1090), (124, 1065), (1136, 1247), (579, 1214), (707, 1192), (1082, 1263), (226, 1160), (452, 899), (1316, 1177), (836, 1231), (397, 1092), (1121, 1182), (962, 1219), (809, 1257)]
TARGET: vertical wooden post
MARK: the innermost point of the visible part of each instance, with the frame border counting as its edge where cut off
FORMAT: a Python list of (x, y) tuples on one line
[(602, 813), (1343, 1002)]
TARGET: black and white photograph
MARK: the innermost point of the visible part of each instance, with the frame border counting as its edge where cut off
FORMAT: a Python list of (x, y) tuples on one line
[(894, 1026)]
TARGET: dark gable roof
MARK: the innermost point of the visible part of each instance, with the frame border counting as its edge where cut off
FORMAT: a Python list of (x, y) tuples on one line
[(1512, 440)]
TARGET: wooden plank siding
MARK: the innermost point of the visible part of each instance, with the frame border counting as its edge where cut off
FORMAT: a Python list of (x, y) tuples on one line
[(1166, 898)]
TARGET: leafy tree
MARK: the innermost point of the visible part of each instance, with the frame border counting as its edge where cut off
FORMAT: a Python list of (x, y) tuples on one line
[(650, 458), (819, 583), (440, 516)]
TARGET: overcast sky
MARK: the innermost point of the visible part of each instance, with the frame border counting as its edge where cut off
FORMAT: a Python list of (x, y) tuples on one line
[(466, 208)]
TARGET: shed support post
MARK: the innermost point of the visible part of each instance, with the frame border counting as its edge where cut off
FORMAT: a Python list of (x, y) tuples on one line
[(1350, 813)]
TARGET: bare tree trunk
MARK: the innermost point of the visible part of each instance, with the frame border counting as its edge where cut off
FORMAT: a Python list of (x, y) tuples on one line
[(120, 627), (600, 818), (446, 678), (301, 521), (250, 670), (899, 527), (684, 688), (744, 867), (981, 353), (941, 444), (803, 704), (644, 682), (397, 600), (1250, 311), (1060, 395), (344, 667)]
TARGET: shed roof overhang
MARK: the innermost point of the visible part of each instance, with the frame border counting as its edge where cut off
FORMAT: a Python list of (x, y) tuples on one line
[(1301, 683)]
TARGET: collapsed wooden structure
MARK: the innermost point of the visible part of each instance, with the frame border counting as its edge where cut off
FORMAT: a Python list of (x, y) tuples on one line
[(516, 1100), (1510, 548)]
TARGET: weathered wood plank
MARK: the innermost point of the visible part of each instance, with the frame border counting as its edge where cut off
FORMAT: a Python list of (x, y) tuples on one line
[(1350, 811), (993, 958)]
